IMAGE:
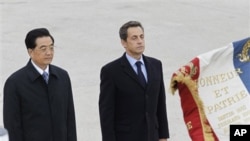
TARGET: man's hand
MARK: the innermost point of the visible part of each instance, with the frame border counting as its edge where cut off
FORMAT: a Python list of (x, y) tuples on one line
[(162, 139)]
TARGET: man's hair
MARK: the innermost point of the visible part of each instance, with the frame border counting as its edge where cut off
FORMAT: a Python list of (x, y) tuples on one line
[(32, 35), (124, 29)]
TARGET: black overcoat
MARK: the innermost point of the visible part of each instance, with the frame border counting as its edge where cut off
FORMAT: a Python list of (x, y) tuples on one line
[(128, 111), (36, 111)]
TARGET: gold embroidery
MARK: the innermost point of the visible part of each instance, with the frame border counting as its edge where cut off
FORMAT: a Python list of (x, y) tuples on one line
[(184, 75), (244, 56), (189, 125)]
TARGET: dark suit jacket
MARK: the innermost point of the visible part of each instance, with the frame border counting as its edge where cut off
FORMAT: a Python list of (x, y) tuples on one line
[(128, 111), (35, 111)]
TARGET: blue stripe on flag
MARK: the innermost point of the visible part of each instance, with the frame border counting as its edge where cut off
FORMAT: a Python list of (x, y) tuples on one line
[(244, 66)]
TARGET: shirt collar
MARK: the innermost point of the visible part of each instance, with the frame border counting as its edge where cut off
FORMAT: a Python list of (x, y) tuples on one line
[(39, 69), (132, 60)]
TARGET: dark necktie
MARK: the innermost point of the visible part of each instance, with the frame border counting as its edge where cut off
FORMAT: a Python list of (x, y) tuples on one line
[(140, 74), (45, 76)]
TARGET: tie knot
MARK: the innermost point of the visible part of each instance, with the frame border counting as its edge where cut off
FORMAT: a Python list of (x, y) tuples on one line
[(46, 76), (138, 63)]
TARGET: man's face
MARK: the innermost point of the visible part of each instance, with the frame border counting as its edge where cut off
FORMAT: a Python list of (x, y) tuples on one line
[(43, 53), (135, 43)]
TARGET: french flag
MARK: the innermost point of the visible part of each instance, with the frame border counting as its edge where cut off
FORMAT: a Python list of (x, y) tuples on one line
[(214, 91)]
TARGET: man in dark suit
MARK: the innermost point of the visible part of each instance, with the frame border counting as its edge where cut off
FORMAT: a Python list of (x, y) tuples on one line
[(37, 108), (132, 98)]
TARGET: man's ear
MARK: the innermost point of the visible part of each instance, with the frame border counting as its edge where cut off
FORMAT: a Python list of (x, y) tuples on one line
[(30, 51), (124, 43)]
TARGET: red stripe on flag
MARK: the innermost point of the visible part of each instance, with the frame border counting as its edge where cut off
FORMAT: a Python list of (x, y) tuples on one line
[(185, 80)]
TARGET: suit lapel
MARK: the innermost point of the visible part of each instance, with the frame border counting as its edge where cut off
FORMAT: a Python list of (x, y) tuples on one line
[(149, 70), (33, 74), (127, 68)]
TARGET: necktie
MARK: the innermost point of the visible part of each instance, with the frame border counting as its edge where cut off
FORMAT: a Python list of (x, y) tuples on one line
[(140, 74), (45, 76)]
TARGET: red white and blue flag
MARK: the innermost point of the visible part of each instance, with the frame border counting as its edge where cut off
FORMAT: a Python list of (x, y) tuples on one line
[(214, 91)]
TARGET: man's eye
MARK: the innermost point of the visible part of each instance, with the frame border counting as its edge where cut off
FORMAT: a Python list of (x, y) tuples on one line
[(43, 48), (134, 38)]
